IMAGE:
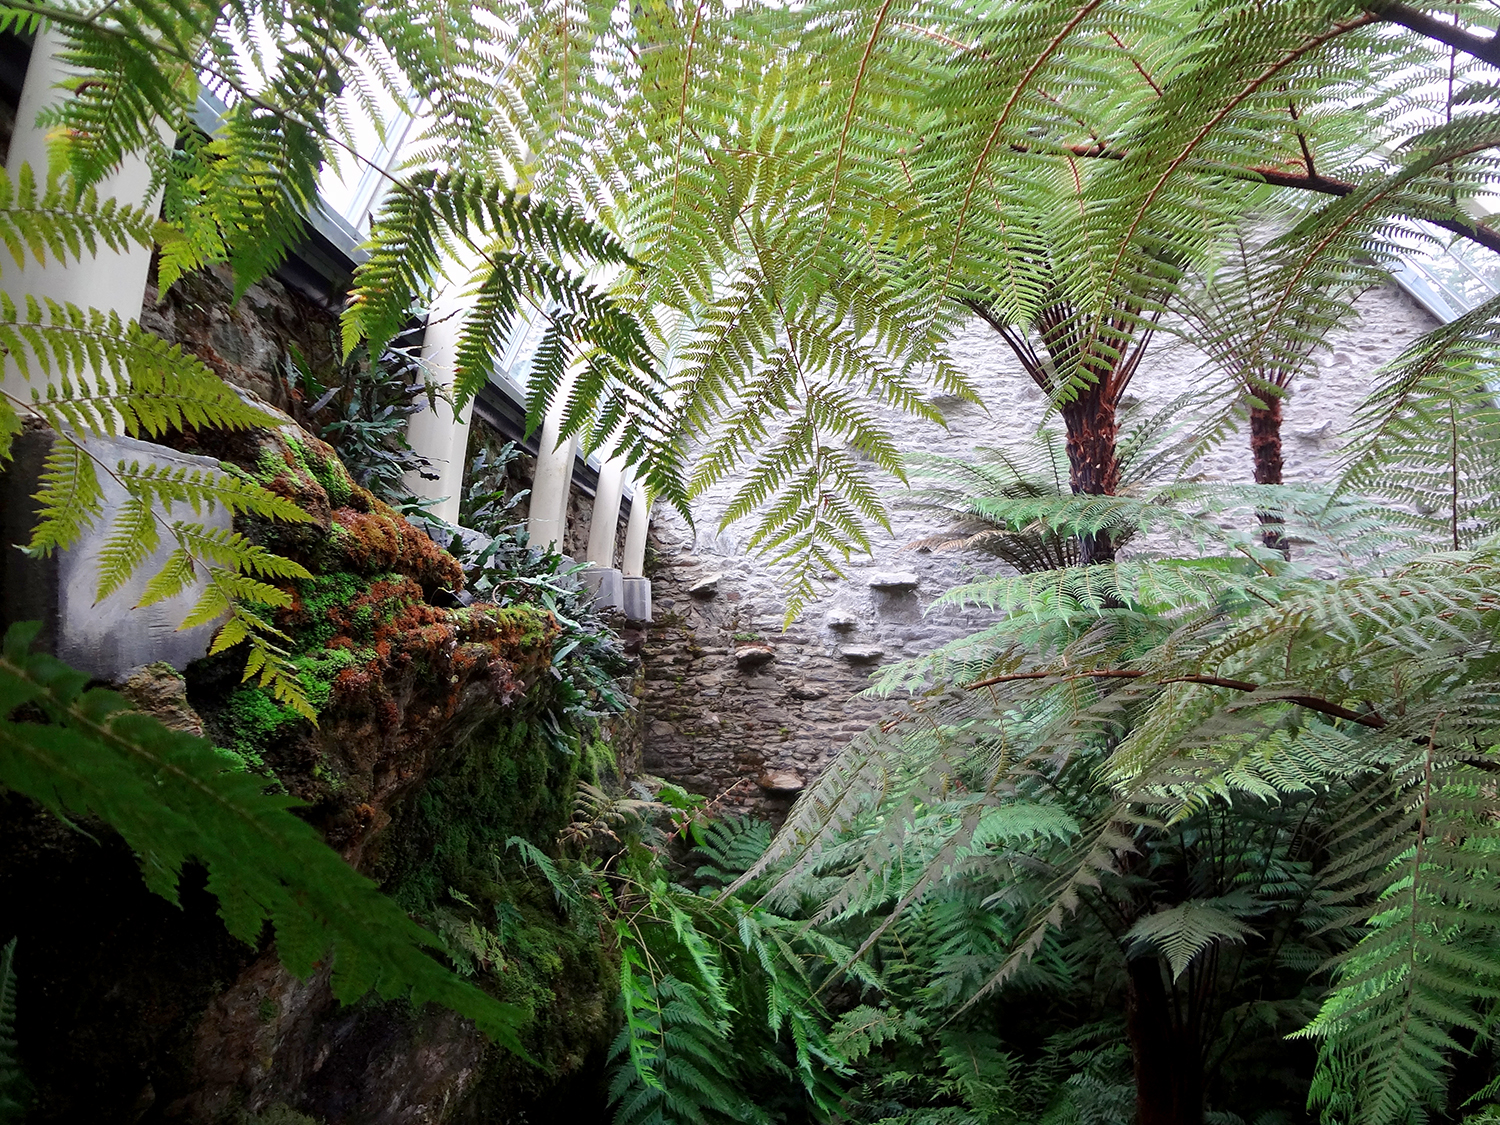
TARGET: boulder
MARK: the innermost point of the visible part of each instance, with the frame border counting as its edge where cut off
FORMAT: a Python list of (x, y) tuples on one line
[(160, 691)]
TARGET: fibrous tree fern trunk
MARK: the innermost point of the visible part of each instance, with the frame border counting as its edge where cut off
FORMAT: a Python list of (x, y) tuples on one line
[(1086, 379), (1265, 447), (1093, 457), (1167, 1059)]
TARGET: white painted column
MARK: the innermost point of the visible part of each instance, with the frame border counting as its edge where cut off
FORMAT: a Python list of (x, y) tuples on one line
[(636, 586), (605, 523), (435, 433), (110, 281), (633, 561), (554, 477)]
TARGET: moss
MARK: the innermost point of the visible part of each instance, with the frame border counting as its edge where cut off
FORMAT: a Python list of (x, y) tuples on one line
[(319, 596), (516, 778), (372, 538), (326, 469), (268, 464), (321, 667), (250, 719)]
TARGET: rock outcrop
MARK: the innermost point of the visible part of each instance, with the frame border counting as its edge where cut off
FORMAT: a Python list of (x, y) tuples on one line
[(433, 745)]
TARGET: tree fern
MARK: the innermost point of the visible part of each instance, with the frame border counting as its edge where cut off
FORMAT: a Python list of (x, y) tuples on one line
[(522, 244), (1368, 702), (828, 190)]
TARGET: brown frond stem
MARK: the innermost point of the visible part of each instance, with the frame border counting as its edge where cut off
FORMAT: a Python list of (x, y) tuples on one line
[(1310, 181), (1311, 702), (1485, 48)]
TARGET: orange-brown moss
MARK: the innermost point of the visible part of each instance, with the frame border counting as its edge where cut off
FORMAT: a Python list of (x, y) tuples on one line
[(394, 631), (375, 538)]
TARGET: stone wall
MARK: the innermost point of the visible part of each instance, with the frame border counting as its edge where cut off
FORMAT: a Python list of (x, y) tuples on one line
[(732, 701), (244, 342)]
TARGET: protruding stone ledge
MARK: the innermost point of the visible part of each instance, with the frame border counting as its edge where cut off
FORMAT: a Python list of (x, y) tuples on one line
[(753, 656), (862, 654), (894, 581), (707, 586), (841, 619), (807, 691), (783, 782)]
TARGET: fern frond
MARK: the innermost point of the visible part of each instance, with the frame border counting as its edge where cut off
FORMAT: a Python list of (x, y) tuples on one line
[(64, 223), (169, 796), (70, 498), (1428, 436)]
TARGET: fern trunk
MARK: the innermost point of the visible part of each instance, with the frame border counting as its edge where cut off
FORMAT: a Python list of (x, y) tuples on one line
[(1265, 447), (1094, 462), (1166, 1056)]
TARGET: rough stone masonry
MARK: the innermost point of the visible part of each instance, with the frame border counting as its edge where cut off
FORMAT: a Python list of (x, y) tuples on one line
[(734, 706)]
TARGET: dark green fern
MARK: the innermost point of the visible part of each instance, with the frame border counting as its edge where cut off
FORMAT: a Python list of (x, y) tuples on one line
[(171, 799)]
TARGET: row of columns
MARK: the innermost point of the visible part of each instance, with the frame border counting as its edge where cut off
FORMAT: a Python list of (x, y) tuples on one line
[(115, 280), (441, 435)]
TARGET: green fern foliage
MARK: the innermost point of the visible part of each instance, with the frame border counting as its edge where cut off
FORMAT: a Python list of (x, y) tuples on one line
[(594, 357), (1223, 751), (62, 222), (1428, 437), (170, 798), (721, 1019), (94, 375), (672, 1041)]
